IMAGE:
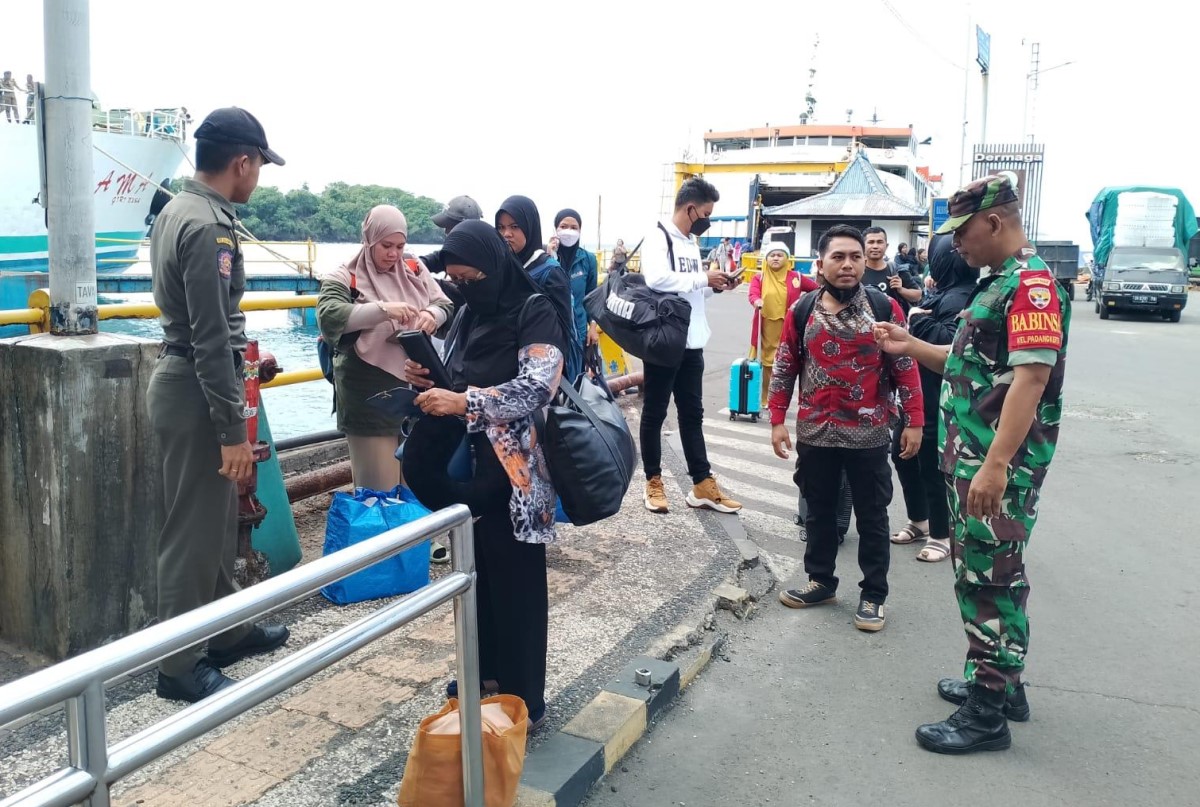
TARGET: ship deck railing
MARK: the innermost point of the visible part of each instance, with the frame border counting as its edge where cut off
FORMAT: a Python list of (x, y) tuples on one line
[(302, 265), (159, 124)]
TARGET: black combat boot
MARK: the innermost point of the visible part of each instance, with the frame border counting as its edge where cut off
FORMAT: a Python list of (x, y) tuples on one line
[(956, 690), (978, 725)]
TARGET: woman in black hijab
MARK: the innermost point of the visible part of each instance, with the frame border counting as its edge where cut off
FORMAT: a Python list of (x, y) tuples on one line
[(505, 356), (954, 282), (520, 225)]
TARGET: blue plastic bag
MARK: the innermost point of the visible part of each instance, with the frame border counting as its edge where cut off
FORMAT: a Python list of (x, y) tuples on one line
[(364, 515)]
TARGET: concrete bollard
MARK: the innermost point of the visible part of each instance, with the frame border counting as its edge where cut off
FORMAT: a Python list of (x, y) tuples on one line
[(81, 503)]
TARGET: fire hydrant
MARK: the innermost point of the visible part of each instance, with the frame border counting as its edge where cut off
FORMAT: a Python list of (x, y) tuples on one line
[(252, 566)]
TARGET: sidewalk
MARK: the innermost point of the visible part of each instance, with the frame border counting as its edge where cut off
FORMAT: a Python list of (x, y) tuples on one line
[(342, 737)]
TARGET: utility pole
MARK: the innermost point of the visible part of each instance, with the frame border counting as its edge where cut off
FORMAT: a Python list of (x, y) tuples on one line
[(70, 218)]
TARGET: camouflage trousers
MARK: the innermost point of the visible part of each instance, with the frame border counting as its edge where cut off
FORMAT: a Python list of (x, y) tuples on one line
[(990, 583)]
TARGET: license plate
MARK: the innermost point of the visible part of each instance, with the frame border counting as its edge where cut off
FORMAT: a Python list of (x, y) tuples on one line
[(1144, 298)]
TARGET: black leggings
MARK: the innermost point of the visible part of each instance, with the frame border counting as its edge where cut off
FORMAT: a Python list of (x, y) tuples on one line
[(512, 604), (936, 495), (912, 482)]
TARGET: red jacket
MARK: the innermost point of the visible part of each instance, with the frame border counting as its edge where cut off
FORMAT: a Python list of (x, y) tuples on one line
[(797, 284), (846, 381)]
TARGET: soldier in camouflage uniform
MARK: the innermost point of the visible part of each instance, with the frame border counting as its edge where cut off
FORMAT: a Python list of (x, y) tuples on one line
[(1001, 405)]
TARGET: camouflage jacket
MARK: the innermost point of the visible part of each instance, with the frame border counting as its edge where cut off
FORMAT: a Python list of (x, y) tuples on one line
[(1015, 316)]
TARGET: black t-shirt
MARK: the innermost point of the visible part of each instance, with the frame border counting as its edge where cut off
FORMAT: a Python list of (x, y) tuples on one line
[(879, 279), (487, 354)]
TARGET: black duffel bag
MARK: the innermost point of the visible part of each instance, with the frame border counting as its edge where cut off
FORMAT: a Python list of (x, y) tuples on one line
[(588, 446), (648, 324)]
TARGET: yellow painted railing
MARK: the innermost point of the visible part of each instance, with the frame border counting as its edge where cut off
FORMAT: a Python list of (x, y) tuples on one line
[(24, 316), (150, 310), (37, 317), (295, 377)]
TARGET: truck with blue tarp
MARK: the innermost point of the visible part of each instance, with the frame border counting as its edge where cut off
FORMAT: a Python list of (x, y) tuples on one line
[(1140, 239)]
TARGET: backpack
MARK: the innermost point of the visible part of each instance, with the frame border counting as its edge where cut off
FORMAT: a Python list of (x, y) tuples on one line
[(573, 357), (881, 307), (325, 352)]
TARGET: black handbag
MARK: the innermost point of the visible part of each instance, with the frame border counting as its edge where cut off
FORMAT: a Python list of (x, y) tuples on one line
[(649, 324), (588, 446)]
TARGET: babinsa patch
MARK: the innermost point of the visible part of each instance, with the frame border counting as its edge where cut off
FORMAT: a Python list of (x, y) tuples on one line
[(1035, 318)]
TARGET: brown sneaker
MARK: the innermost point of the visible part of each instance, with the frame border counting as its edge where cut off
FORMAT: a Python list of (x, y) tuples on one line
[(655, 496), (709, 494)]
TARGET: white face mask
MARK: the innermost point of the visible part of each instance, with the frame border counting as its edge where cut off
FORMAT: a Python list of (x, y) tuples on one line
[(568, 238)]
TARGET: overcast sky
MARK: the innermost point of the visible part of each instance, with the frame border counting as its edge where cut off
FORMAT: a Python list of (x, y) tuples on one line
[(567, 102)]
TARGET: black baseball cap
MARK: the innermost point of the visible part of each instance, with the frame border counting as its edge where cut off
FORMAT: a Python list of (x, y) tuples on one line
[(458, 210), (238, 127)]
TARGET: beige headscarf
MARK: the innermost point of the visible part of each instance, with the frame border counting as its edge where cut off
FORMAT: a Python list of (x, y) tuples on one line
[(398, 285), (774, 282)]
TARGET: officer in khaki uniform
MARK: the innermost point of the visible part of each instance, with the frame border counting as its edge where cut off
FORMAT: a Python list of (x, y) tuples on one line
[(196, 400)]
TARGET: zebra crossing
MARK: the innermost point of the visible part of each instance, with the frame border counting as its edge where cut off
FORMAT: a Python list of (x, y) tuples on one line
[(742, 459)]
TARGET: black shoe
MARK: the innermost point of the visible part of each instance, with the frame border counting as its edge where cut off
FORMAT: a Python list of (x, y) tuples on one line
[(202, 681), (812, 594), (955, 690), (261, 639), (978, 725), (869, 616)]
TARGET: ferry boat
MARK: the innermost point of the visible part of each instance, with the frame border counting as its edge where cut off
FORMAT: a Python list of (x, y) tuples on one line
[(762, 172), (133, 152)]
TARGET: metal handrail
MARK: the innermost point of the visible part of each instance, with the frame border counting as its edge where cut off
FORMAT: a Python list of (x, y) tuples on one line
[(94, 766)]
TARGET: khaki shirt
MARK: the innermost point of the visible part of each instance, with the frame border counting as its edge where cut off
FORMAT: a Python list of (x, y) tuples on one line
[(198, 278)]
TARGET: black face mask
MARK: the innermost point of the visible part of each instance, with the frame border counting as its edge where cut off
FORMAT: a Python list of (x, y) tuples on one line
[(841, 295), (483, 296), (700, 226)]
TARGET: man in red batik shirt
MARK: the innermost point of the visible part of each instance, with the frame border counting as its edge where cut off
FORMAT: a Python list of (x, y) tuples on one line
[(846, 389)]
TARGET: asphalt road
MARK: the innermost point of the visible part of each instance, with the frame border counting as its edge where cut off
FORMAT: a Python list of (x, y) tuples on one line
[(807, 710)]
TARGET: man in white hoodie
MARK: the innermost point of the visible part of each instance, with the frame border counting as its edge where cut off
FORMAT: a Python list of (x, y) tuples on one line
[(671, 264)]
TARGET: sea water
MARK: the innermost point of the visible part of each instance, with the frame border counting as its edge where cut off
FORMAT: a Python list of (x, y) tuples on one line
[(296, 409)]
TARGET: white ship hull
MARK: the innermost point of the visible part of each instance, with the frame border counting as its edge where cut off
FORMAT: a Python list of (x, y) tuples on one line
[(122, 198)]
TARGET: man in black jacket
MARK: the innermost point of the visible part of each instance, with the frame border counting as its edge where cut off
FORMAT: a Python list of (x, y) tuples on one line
[(935, 322), (895, 281)]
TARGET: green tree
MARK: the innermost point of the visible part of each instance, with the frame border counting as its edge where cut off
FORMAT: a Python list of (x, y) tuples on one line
[(334, 215)]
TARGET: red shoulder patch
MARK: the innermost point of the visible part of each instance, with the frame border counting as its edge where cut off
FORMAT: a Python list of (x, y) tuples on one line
[(1035, 316)]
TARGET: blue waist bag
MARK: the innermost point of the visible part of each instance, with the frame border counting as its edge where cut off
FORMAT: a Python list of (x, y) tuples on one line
[(364, 515)]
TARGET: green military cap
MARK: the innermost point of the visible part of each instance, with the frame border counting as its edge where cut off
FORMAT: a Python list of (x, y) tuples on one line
[(981, 194)]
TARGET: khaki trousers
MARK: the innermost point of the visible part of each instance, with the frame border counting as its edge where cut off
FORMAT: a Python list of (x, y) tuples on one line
[(199, 539)]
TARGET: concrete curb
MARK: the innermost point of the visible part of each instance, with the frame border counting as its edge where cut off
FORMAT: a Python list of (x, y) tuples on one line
[(562, 771)]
